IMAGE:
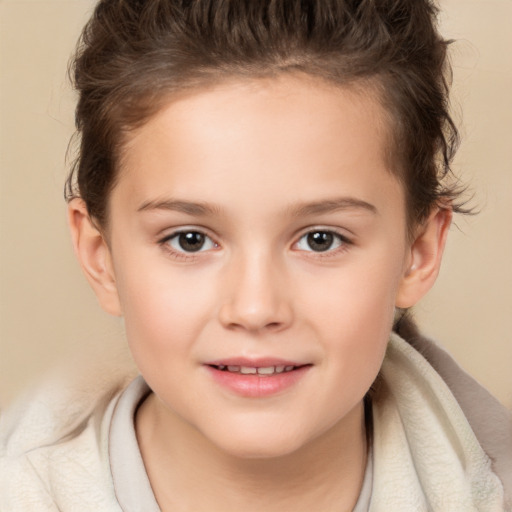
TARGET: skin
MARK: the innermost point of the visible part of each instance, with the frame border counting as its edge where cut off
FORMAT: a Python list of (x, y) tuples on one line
[(256, 166)]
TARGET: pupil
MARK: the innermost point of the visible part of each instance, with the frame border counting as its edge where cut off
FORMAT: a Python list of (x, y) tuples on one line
[(191, 242), (320, 241)]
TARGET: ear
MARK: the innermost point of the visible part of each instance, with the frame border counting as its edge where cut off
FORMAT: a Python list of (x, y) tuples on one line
[(424, 258), (94, 256)]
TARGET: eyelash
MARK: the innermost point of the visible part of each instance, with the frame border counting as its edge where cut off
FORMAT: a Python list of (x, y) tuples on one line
[(182, 254), (343, 243), (342, 240)]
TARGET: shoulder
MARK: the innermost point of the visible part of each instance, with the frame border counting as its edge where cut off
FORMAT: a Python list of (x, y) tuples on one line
[(54, 449), (490, 421)]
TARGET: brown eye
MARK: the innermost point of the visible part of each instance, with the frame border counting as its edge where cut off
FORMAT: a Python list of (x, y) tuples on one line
[(190, 241), (320, 241)]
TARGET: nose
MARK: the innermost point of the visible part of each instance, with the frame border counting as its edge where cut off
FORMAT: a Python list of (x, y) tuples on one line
[(256, 296)]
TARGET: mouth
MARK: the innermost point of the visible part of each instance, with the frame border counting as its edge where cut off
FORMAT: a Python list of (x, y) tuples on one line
[(263, 371), (257, 378)]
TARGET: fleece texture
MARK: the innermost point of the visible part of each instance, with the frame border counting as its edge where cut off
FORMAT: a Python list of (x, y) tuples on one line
[(426, 455)]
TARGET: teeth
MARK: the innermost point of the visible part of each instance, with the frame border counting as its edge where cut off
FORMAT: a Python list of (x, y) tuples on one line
[(246, 370), (252, 370), (266, 371)]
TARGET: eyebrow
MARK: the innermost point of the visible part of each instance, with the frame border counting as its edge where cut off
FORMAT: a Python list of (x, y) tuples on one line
[(299, 210), (188, 207), (332, 205)]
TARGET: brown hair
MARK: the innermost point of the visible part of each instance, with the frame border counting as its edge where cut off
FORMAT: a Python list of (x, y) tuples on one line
[(134, 53)]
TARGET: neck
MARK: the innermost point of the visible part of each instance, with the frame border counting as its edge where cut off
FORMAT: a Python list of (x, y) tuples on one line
[(194, 474)]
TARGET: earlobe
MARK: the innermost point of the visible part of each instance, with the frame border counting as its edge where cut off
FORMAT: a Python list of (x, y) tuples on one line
[(94, 256), (424, 258)]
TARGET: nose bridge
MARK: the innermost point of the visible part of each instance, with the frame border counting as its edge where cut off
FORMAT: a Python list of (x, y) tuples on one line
[(257, 295)]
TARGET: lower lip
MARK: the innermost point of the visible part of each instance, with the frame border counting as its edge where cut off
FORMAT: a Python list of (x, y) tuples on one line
[(257, 386)]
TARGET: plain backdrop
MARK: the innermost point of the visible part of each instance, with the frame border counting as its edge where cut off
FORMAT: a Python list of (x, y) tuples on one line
[(48, 315)]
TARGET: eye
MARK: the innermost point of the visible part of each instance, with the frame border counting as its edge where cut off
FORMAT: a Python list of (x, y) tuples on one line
[(321, 241), (190, 241)]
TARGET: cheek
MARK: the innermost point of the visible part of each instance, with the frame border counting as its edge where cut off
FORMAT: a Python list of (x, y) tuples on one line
[(353, 314), (164, 310), (358, 297)]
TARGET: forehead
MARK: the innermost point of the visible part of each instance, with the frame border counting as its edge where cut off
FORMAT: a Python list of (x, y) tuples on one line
[(260, 139)]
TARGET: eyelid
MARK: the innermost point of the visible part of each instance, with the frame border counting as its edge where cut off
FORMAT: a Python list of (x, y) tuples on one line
[(166, 234), (163, 241), (341, 236), (342, 233)]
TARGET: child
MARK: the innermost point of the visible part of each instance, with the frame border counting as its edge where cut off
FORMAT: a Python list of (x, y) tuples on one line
[(262, 192)]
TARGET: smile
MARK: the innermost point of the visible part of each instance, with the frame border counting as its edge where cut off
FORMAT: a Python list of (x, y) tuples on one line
[(257, 379), (254, 370)]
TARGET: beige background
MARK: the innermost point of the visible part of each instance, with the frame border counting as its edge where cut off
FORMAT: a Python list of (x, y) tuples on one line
[(47, 312)]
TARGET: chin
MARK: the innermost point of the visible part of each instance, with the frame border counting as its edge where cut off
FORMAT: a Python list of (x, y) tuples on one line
[(260, 443), (260, 450)]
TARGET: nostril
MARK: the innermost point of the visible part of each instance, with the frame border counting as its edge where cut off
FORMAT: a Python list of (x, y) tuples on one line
[(271, 326), (255, 311)]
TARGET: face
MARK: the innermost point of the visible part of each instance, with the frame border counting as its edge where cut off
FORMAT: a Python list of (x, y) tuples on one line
[(258, 244)]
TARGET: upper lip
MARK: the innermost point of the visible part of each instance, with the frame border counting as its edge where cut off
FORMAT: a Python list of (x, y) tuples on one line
[(263, 362)]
